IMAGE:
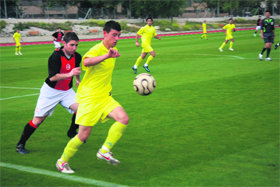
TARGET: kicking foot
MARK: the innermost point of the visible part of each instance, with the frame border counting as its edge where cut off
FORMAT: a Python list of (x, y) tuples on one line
[(63, 167), (107, 157)]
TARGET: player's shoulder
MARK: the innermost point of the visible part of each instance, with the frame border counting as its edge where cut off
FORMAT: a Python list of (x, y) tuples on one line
[(56, 53)]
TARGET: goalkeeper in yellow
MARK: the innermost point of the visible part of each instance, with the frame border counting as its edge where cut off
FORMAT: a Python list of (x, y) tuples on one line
[(147, 32), (204, 35), (95, 99), (17, 38), (229, 28)]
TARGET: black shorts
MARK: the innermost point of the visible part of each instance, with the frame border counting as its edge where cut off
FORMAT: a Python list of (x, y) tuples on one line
[(268, 37)]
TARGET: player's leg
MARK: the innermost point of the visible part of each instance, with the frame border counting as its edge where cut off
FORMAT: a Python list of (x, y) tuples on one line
[(16, 53), (268, 48), (116, 112), (231, 44), (150, 58), (223, 45), (71, 148), (72, 131), (139, 59), (276, 45), (28, 130), (19, 50)]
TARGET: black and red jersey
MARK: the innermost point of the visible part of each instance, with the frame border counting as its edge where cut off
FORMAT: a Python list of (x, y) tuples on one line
[(59, 63), (259, 22), (58, 36)]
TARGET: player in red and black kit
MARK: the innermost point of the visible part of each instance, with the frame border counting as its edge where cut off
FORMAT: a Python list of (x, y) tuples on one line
[(57, 38), (63, 64), (259, 24)]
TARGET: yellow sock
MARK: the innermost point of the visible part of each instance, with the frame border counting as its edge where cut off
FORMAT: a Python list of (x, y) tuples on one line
[(114, 134), (16, 49), (149, 59), (205, 36), (19, 48), (71, 148), (223, 45), (139, 59), (230, 44)]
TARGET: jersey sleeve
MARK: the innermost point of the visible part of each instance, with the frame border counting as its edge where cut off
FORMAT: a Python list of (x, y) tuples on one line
[(54, 34), (140, 32), (54, 64), (91, 53), (262, 25), (225, 27), (155, 34)]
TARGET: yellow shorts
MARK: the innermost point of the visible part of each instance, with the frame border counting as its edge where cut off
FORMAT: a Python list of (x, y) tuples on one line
[(147, 48), (18, 44), (89, 114), (229, 37)]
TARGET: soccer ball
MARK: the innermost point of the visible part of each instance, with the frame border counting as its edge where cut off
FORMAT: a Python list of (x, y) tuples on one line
[(144, 84)]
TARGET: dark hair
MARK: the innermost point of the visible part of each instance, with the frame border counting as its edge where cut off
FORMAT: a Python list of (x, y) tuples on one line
[(268, 11), (230, 19), (112, 25), (70, 36), (149, 18)]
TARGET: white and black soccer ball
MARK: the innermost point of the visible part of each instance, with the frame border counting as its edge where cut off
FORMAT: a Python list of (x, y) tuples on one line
[(144, 84)]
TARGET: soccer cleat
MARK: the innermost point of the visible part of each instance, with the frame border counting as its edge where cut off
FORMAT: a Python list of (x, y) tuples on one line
[(16, 54), (260, 56), (231, 49), (107, 157), (63, 167), (21, 150), (134, 70), (268, 59), (146, 68), (19, 53), (275, 47), (221, 49)]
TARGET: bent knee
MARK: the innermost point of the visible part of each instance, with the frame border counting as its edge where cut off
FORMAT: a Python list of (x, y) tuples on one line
[(124, 120)]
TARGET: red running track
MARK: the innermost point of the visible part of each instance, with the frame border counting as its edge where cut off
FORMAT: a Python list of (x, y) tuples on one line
[(126, 37)]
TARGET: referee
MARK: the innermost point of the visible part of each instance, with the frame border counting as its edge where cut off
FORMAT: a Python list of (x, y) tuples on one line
[(267, 33)]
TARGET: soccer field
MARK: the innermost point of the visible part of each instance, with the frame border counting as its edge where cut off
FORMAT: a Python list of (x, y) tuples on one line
[(213, 119)]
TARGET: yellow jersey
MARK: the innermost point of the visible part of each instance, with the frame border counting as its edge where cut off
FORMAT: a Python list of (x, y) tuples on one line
[(96, 84), (229, 28), (17, 36), (204, 27), (147, 32)]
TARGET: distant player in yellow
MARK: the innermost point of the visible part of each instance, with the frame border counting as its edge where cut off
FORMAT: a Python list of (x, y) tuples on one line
[(17, 38), (147, 32), (204, 35), (95, 99), (229, 28)]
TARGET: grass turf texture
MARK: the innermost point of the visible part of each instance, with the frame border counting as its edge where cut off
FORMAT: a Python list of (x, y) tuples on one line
[(213, 119)]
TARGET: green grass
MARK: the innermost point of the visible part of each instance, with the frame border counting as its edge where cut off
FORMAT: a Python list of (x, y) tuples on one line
[(213, 119)]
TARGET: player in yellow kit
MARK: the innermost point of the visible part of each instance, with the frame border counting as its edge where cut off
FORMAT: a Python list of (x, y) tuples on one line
[(204, 35), (95, 100), (147, 32), (17, 38), (229, 28)]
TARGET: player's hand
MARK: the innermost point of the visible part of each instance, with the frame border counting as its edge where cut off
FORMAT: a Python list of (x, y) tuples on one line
[(77, 83), (137, 44), (76, 71), (113, 53)]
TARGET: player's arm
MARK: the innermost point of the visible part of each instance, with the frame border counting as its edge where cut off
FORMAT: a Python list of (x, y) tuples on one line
[(137, 38), (262, 30), (91, 61), (157, 37), (78, 81), (54, 69), (54, 35)]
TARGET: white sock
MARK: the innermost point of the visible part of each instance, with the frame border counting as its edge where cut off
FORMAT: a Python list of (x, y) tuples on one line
[(135, 67), (146, 65)]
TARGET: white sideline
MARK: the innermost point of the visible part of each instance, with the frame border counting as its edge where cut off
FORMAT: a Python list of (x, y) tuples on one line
[(1, 99), (25, 88), (69, 177)]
